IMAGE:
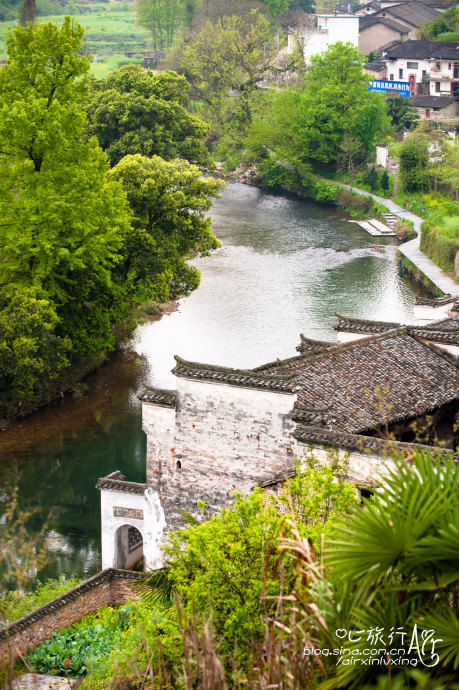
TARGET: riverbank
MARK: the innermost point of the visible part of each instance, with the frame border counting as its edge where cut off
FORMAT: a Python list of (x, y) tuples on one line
[(416, 263)]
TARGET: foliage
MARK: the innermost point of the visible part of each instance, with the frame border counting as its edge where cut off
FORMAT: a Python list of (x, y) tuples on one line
[(333, 120), (164, 17), (168, 200), (28, 12), (277, 7), (384, 182), (17, 604), (402, 114), (399, 553), (32, 353), (132, 111), (227, 564), (440, 241), (336, 102), (225, 63), (71, 651), (414, 158), (63, 222), (446, 22), (428, 161)]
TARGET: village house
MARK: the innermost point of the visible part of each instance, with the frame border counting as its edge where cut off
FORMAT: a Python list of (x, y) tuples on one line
[(224, 430), (434, 65), (375, 32), (323, 30)]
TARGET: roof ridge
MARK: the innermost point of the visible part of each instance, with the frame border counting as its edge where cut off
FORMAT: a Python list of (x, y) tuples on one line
[(361, 342), (224, 370), (367, 322), (279, 362)]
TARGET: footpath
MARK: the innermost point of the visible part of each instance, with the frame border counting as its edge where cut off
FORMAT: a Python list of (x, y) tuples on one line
[(411, 249)]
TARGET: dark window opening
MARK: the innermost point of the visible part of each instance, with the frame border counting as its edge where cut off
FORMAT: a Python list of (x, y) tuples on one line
[(178, 465)]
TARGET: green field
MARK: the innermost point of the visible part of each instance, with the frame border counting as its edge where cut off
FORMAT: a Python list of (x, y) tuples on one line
[(111, 31)]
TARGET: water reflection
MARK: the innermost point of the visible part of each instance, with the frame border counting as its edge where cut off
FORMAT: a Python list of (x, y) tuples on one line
[(285, 267)]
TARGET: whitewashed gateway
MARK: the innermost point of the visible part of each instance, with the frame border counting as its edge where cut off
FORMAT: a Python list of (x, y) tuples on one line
[(226, 429)]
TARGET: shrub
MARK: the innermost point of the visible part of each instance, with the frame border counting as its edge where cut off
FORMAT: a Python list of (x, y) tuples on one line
[(441, 242), (18, 605), (325, 192)]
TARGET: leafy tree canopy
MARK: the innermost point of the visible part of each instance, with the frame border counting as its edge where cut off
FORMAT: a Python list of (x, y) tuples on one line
[(62, 221), (168, 200), (336, 101), (132, 111), (164, 17)]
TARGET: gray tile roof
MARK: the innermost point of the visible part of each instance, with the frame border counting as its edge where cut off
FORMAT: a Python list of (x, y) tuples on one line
[(425, 50), (366, 444), (377, 380), (414, 12), (349, 324), (310, 345), (438, 102), (357, 386), (158, 396), (249, 378), (371, 20)]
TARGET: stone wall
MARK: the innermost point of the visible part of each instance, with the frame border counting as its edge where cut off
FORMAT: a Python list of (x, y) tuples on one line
[(219, 439), (107, 587)]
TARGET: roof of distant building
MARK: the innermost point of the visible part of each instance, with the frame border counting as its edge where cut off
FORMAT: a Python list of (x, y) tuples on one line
[(435, 102), (370, 20), (425, 50), (375, 66), (412, 12)]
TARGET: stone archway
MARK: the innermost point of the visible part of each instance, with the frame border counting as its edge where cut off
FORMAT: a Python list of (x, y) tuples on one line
[(128, 547)]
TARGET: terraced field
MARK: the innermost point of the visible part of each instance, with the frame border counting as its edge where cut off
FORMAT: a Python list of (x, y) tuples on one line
[(111, 32)]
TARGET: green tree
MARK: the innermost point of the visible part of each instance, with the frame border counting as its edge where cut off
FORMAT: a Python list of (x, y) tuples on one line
[(384, 182), (168, 200), (401, 113), (132, 111), (336, 102), (28, 12), (63, 222), (32, 353), (226, 62), (414, 160), (163, 18), (228, 563), (276, 7)]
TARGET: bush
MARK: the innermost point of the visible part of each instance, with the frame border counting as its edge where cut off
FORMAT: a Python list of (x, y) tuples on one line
[(441, 242), (17, 605), (324, 192)]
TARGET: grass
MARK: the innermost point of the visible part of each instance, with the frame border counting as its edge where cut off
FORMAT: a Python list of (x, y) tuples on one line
[(111, 31)]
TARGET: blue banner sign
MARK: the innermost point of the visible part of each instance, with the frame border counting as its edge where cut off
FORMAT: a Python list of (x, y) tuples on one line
[(401, 88)]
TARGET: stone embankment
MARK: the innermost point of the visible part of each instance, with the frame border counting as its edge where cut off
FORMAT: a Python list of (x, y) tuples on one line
[(411, 249)]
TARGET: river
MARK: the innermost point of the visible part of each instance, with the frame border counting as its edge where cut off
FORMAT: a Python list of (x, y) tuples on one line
[(285, 267)]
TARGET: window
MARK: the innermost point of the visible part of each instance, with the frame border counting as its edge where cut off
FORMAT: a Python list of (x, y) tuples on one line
[(391, 77), (449, 66), (412, 65), (400, 74), (438, 66), (437, 87)]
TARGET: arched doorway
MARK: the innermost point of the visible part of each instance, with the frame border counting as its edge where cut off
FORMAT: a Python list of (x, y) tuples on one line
[(128, 547)]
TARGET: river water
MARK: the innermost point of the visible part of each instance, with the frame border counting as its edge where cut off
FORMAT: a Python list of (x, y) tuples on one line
[(285, 267)]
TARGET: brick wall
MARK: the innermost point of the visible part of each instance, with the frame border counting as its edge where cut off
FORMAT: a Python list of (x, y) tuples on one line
[(110, 586)]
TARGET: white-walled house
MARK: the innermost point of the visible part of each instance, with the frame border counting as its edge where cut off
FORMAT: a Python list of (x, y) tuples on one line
[(224, 430), (434, 64), (323, 31)]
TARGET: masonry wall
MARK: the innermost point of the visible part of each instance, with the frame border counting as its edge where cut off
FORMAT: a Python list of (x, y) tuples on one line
[(364, 467), (226, 438), (107, 587)]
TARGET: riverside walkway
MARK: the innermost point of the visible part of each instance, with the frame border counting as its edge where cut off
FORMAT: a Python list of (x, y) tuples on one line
[(411, 249)]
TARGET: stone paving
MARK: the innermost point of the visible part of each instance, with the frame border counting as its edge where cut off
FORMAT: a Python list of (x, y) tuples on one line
[(34, 681), (411, 250)]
